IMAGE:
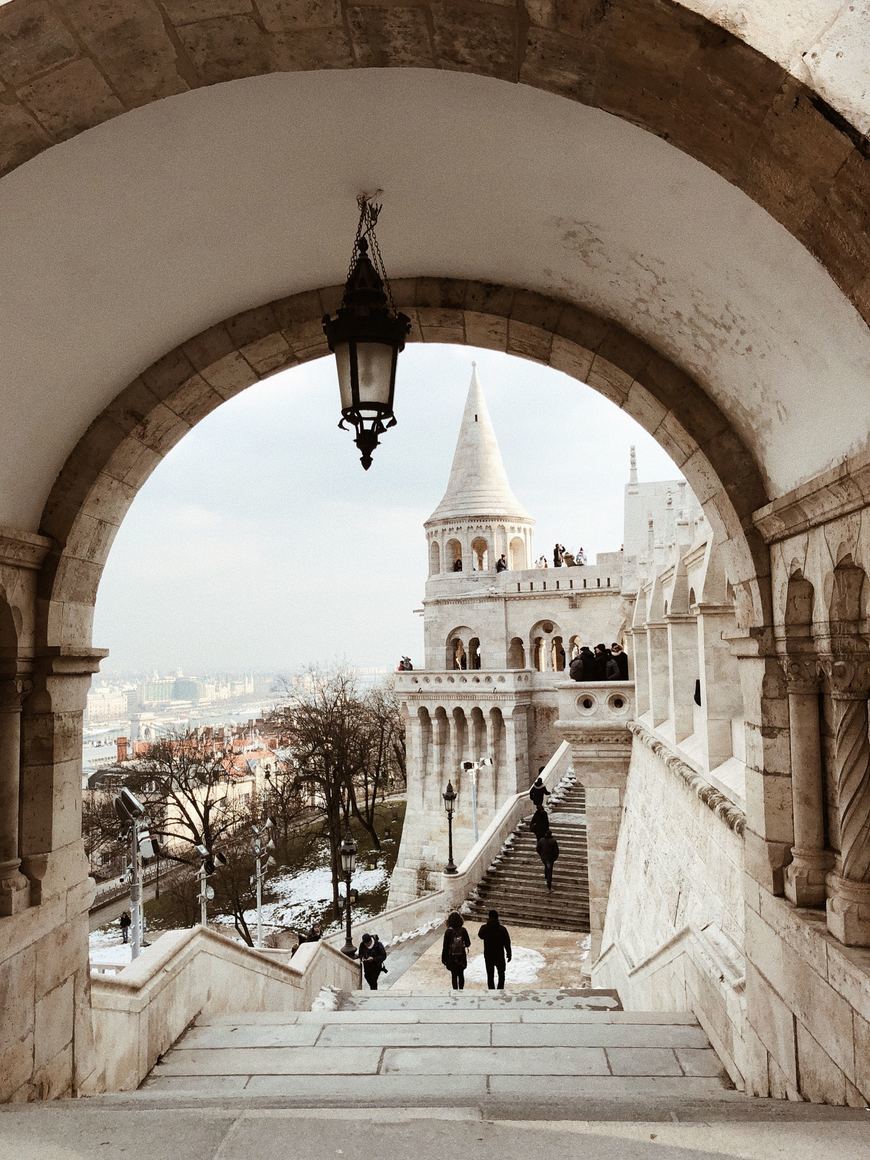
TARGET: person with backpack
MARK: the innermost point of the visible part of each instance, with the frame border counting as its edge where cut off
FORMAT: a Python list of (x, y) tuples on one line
[(496, 948), (540, 823), (538, 792), (453, 950), (380, 953), (548, 852)]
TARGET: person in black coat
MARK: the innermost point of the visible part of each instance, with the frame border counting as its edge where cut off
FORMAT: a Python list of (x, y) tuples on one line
[(548, 852), (371, 964), (575, 669), (454, 948), (621, 657), (538, 792), (496, 949), (590, 665), (540, 823)]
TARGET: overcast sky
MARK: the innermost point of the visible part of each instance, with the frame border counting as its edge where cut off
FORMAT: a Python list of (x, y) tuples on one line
[(260, 542)]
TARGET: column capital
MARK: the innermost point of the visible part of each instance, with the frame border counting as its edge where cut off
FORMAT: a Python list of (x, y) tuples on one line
[(849, 675), (801, 674), (13, 690)]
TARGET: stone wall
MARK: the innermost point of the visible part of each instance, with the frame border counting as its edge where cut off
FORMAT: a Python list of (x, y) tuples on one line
[(674, 934)]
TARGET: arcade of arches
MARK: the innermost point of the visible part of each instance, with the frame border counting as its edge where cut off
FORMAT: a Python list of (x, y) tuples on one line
[(739, 343)]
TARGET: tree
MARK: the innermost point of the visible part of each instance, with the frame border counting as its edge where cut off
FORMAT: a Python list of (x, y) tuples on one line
[(381, 756)]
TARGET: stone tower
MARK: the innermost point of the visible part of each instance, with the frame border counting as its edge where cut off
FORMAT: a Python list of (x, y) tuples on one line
[(497, 643)]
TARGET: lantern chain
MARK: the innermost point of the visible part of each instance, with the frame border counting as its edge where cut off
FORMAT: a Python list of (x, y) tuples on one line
[(369, 212)]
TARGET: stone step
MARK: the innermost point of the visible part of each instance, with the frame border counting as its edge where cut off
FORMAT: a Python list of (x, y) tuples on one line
[(537, 999)]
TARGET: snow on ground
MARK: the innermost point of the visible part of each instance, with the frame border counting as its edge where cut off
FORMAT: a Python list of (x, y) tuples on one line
[(107, 948), (327, 999), (297, 892), (524, 967)]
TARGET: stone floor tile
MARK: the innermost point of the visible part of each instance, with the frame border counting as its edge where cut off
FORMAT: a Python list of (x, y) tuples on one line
[(526, 1061), (252, 1017), (597, 1035), (252, 1035), (615, 1086), (699, 1062), (406, 1035), (360, 1088), (271, 1061), (643, 1061), (209, 1084)]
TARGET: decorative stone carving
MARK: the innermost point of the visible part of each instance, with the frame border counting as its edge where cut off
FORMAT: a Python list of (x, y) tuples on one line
[(713, 799), (848, 908)]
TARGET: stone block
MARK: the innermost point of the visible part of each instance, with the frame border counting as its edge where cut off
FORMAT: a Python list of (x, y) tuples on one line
[(835, 232), (488, 298), (528, 341), (53, 1026), (161, 429), (821, 1080), (862, 1054), (60, 954), (485, 331), (644, 407), (17, 994), (773, 1023), (269, 355), (226, 48), (17, 1068), (187, 11), (480, 40), (208, 346), (229, 375), (54, 1078), (847, 971), (560, 64), (71, 99), (311, 48), (571, 359), (32, 40), (291, 15), (384, 36), (194, 399), (21, 137), (609, 380), (131, 45)]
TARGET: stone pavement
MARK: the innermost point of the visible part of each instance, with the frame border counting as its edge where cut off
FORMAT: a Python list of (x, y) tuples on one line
[(399, 1048), (542, 958), (754, 1130)]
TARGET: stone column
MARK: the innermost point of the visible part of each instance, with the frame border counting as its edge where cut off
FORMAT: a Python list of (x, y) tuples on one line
[(415, 767), (848, 907), (641, 669), (682, 672), (600, 755), (514, 778), (720, 681), (769, 834), (805, 875), (14, 887), (659, 691)]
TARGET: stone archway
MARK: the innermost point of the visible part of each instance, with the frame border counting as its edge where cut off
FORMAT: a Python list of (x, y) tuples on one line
[(124, 444), (655, 63)]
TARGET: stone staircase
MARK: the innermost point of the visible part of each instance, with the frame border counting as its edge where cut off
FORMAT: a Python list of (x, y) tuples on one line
[(445, 1048), (514, 884)]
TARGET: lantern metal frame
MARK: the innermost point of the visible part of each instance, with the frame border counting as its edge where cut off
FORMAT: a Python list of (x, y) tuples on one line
[(450, 795), (367, 315)]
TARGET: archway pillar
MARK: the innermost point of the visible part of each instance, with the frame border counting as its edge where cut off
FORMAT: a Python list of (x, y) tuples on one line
[(515, 776), (51, 845), (720, 687), (805, 875), (14, 887), (657, 660), (600, 756), (682, 672), (769, 834), (848, 906)]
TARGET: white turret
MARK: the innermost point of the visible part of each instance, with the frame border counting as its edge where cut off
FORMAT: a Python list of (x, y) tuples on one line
[(479, 518)]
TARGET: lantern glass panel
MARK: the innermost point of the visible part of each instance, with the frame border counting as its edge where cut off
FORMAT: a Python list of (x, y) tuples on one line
[(375, 366), (342, 362)]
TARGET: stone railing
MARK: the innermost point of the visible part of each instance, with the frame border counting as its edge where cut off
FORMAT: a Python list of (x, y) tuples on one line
[(596, 703), (455, 888), (453, 683), (139, 1012)]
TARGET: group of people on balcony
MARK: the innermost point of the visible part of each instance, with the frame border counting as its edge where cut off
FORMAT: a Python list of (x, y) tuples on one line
[(604, 664), (562, 558)]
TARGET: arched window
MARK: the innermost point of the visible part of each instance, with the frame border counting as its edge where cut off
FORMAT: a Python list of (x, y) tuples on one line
[(480, 554), (434, 558), (458, 655), (544, 650), (518, 554), (848, 598), (516, 657), (558, 655), (453, 556), (474, 653)]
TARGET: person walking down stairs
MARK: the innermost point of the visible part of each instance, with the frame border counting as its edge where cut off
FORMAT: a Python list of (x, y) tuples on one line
[(538, 792), (548, 852), (453, 950)]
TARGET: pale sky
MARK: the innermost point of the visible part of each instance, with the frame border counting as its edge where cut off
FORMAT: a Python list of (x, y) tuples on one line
[(260, 542)]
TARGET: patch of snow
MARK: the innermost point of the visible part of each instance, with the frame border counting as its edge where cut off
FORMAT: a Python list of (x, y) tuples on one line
[(327, 999), (524, 967), (585, 945), (407, 935), (296, 893)]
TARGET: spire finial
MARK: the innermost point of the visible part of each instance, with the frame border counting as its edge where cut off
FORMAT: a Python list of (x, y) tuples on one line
[(632, 466)]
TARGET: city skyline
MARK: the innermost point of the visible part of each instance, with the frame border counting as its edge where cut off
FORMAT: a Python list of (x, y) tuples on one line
[(260, 543)]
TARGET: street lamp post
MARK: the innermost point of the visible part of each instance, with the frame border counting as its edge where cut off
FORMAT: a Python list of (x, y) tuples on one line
[(262, 850), (449, 796), (472, 768), (347, 851)]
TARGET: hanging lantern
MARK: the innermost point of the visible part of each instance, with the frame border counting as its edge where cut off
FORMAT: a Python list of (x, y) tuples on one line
[(366, 336)]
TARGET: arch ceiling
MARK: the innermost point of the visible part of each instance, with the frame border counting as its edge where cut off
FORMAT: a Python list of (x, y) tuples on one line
[(130, 238)]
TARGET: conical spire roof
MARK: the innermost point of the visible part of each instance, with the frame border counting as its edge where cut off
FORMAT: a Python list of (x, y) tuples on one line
[(478, 484)]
